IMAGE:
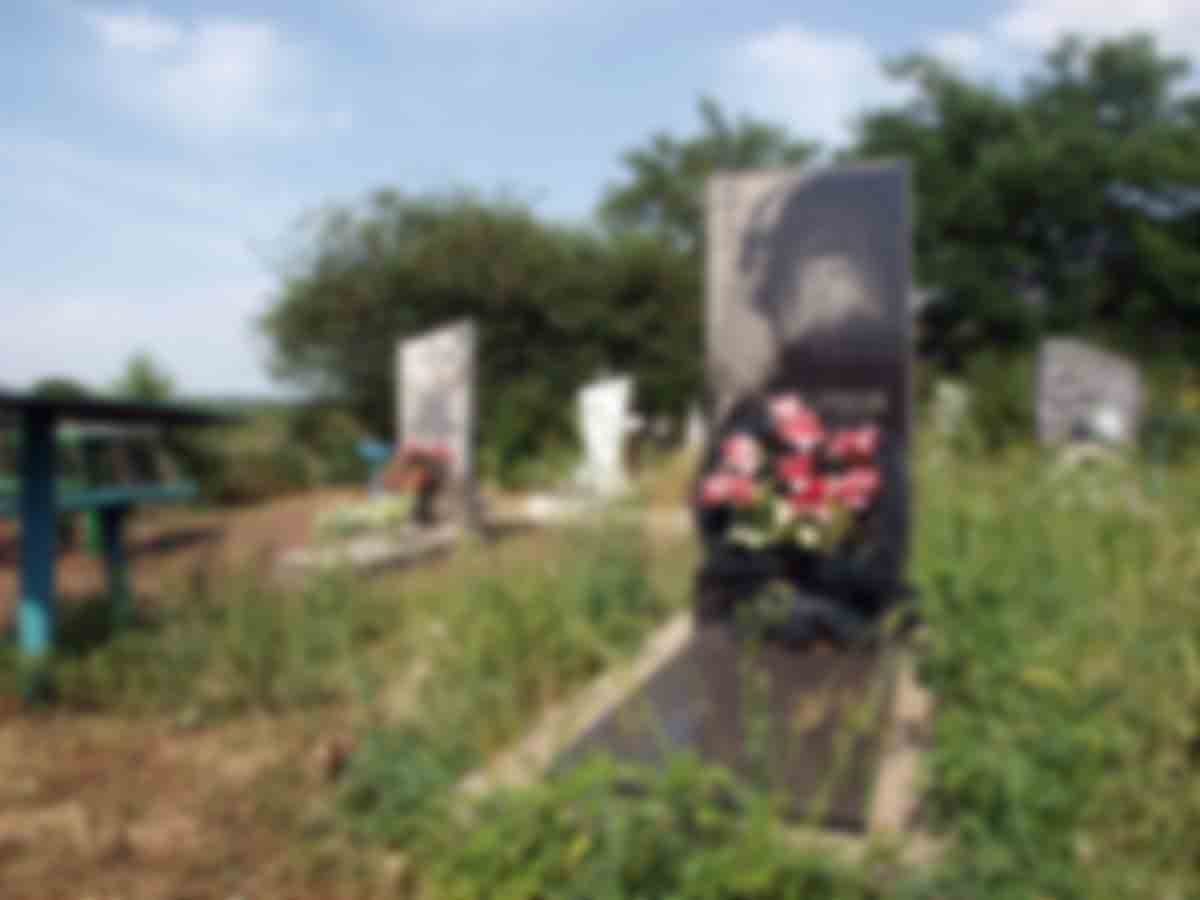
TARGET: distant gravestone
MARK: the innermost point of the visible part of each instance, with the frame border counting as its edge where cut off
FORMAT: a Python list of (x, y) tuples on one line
[(808, 292), (951, 407), (694, 435), (603, 424), (1087, 393), (435, 397)]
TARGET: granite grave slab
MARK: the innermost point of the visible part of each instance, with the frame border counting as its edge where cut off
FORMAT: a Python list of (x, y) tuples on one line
[(809, 293)]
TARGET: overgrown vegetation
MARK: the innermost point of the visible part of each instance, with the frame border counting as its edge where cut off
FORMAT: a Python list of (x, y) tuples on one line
[(517, 642), (1061, 643), (1062, 648)]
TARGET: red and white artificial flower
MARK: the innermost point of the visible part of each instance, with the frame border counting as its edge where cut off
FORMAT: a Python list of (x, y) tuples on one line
[(814, 499), (783, 407), (796, 470), (725, 489), (857, 443), (857, 487), (741, 454), (802, 430)]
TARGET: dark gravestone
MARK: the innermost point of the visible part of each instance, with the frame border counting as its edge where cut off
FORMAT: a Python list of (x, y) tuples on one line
[(808, 292)]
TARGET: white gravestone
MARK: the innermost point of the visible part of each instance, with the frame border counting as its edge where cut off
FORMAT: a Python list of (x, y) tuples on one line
[(435, 397), (696, 430), (603, 423)]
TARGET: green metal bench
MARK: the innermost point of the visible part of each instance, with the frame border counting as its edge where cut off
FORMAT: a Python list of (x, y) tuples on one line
[(37, 497)]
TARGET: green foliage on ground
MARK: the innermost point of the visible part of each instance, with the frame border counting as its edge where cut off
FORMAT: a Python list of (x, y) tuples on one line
[(273, 451), (512, 644), (607, 832), (1062, 649), (1061, 643)]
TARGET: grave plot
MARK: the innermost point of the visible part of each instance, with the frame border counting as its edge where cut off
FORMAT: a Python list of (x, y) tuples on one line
[(429, 492), (604, 423), (802, 505)]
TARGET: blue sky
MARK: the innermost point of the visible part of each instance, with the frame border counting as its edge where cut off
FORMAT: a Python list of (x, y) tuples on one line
[(155, 156)]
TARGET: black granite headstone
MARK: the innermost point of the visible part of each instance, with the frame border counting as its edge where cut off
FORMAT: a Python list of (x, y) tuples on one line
[(808, 292)]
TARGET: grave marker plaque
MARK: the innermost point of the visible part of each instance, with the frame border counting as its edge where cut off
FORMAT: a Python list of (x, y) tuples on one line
[(808, 293), (435, 398)]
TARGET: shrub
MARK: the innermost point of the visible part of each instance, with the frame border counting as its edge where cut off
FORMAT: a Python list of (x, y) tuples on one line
[(1002, 397), (603, 831)]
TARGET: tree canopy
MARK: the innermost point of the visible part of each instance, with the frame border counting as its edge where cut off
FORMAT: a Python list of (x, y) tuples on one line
[(1070, 206), (664, 192), (557, 305), (1071, 203), (144, 380)]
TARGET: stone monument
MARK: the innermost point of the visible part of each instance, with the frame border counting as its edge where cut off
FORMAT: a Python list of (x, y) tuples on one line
[(603, 424), (808, 294), (1085, 393), (435, 403)]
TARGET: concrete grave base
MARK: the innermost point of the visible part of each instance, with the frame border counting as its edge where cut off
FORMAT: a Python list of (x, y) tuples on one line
[(373, 552), (842, 740)]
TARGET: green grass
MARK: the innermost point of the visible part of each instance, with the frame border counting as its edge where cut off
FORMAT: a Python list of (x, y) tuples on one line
[(1063, 650), (1062, 644), (513, 642)]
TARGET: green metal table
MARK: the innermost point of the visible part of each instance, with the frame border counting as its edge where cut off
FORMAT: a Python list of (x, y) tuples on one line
[(39, 502)]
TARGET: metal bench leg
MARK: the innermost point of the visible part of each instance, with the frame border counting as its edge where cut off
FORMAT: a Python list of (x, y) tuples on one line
[(36, 614), (112, 532)]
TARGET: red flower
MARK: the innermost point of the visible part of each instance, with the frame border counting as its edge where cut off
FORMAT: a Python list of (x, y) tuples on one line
[(740, 453), (802, 430), (722, 488), (858, 443), (858, 487), (784, 407), (813, 499), (796, 470)]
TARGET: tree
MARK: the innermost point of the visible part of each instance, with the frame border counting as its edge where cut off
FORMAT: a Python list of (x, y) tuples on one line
[(57, 387), (1070, 205), (554, 305), (143, 380), (664, 193)]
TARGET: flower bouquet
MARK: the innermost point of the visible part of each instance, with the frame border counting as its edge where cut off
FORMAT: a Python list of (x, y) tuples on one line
[(420, 470), (786, 501)]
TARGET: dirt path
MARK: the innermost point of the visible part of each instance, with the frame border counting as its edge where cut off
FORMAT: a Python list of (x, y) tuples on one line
[(169, 545)]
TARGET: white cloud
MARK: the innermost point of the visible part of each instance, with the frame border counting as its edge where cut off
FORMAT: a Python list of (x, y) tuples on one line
[(212, 77), (141, 30), (816, 82), (958, 48), (1038, 24), (465, 14)]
